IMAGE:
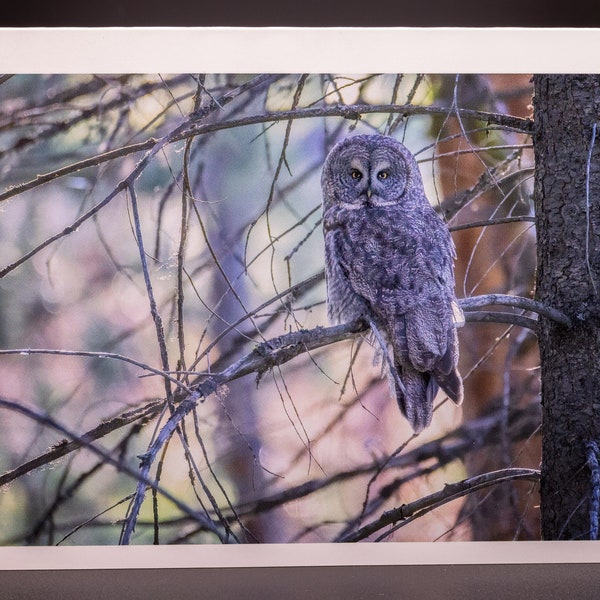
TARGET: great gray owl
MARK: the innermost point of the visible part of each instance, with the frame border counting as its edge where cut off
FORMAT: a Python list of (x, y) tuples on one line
[(389, 260)]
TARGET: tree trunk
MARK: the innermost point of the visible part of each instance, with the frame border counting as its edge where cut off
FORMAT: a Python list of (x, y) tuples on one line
[(567, 189)]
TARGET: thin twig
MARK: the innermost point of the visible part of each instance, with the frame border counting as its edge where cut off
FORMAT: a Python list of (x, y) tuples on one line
[(487, 181), (122, 185), (489, 222), (186, 197), (101, 355), (83, 114), (292, 291), (65, 447)]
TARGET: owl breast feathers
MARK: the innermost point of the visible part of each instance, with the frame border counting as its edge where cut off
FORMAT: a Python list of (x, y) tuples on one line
[(389, 260)]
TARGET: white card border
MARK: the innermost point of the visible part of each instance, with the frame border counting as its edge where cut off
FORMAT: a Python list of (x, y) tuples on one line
[(289, 49)]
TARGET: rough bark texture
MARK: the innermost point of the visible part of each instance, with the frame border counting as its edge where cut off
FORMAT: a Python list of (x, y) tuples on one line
[(568, 226)]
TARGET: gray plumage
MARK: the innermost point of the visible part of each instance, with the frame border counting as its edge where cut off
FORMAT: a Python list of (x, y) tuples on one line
[(389, 260)]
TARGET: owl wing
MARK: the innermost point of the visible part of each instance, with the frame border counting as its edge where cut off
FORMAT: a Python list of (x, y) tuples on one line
[(431, 323), (406, 278), (344, 303)]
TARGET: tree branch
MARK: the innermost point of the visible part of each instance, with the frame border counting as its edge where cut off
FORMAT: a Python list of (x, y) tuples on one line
[(355, 112), (488, 316), (472, 435), (489, 180), (489, 222), (194, 128), (278, 351), (484, 432), (398, 517), (142, 480), (64, 447), (528, 304)]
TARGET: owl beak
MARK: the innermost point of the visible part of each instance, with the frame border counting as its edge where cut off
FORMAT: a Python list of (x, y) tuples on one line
[(369, 193)]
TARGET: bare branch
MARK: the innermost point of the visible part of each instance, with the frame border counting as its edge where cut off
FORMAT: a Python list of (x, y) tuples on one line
[(485, 432), (149, 144), (484, 316), (142, 480), (488, 181), (518, 302), (146, 461), (489, 222), (355, 111), (156, 318), (101, 355), (65, 447), (66, 231), (92, 161), (278, 351), (346, 111), (398, 517), (122, 185)]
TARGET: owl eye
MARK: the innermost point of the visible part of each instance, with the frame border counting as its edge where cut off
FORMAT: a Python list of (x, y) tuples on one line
[(355, 174), (383, 174)]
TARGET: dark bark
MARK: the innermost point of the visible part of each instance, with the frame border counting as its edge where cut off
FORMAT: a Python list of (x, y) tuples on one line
[(567, 198)]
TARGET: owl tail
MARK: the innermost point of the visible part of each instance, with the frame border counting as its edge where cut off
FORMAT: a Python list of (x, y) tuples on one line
[(419, 390), (416, 398), (451, 384)]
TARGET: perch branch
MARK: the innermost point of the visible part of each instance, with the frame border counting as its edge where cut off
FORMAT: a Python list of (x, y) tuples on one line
[(488, 316), (517, 302)]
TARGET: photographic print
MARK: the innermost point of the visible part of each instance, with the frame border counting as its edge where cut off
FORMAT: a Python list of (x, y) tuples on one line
[(221, 323), (298, 308)]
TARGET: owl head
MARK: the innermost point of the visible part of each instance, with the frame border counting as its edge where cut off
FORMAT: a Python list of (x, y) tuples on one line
[(369, 170)]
